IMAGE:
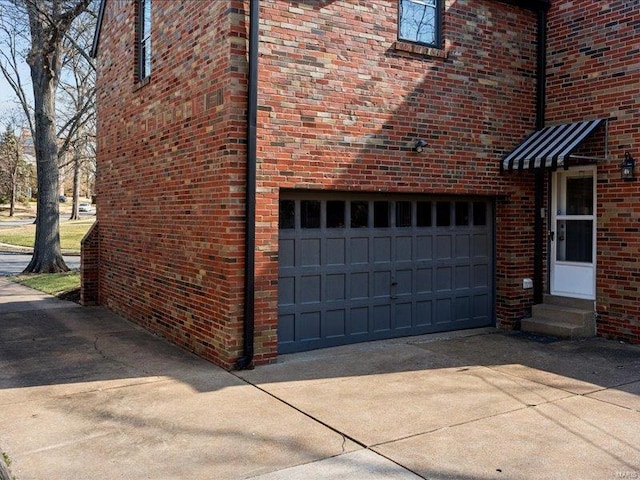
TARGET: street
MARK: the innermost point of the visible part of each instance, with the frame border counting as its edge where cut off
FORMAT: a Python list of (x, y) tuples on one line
[(27, 221), (14, 263)]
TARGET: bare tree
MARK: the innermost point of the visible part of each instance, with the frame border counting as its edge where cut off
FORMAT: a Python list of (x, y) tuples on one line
[(14, 31), (82, 153), (49, 25), (76, 93)]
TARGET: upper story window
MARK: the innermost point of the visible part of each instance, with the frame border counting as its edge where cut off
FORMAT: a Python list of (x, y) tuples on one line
[(419, 21), (144, 39)]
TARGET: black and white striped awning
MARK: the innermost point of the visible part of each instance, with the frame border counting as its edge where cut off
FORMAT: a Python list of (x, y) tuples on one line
[(549, 147)]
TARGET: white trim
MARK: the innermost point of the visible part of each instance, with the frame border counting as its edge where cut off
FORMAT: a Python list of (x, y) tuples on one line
[(578, 277)]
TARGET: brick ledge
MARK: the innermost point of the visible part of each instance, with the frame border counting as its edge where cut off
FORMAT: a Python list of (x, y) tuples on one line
[(420, 49)]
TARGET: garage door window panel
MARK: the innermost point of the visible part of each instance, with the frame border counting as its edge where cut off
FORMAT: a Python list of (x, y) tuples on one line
[(335, 214), (462, 214), (423, 214), (287, 214), (443, 214), (359, 214), (479, 214), (381, 213), (403, 214), (310, 214)]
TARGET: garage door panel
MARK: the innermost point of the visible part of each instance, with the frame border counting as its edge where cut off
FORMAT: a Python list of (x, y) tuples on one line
[(424, 313), (336, 287), (335, 323), (286, 328), (444, 279), (424, 247), (359, 250), (481, 306), (309, 289), (444, 246), (404, 283), (286, 291), (462, 246), (309, 252), (463, 276), (336, 251), (462, 308), (286, 253), (381, 284), (404, 249), (428, 268), (403, 315), (480, 245), (359, 285), (382, 250), (359, 320), (481, 275), (444, 311), (424, 281), (381, 318), (308, 326)]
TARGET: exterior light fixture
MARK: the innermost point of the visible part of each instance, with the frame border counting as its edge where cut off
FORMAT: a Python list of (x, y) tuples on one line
[(627, 167), (419, 146)]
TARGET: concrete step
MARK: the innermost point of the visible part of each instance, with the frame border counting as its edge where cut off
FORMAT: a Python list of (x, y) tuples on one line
[(562, 317), (554, 328), (568, 302), (563, 314)]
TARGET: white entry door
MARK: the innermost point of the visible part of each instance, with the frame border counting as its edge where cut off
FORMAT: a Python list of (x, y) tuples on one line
[(573, 233)]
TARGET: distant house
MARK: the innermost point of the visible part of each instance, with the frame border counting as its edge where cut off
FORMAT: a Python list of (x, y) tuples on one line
[(279, 176), (28, 150)]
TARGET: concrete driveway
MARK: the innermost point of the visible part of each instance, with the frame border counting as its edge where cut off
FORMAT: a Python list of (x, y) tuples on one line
[(85, 394)]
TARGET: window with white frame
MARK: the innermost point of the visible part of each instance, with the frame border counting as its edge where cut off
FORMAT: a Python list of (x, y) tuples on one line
[(419, 21)]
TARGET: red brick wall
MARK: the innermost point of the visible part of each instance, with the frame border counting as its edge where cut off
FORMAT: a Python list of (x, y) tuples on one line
[(594, 72), (340, 106), (171, 174), (90, 266)]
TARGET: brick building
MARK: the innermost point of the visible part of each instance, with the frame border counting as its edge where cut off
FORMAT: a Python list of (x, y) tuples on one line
[(282, 175)]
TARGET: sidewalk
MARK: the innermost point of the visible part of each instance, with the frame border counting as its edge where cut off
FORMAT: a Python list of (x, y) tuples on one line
[(10, 248), (85, 394)]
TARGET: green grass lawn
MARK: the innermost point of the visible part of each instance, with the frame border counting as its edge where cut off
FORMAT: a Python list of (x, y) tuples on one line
[(71, 232), (22, 211), (51, 283)]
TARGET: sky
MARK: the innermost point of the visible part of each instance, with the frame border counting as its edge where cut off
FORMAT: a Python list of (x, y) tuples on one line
[(8, 99)]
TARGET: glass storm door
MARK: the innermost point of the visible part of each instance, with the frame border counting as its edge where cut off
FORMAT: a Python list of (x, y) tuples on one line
[(573, 233)]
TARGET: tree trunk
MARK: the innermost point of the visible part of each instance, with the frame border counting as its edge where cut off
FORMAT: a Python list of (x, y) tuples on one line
[(47, 256), (75, 215), (14, 184)]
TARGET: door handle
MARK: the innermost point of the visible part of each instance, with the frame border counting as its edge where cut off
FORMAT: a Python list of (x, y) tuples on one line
[(552, 235)]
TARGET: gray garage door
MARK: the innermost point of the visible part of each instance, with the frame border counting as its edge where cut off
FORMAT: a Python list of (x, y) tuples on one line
[(355, 268)]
